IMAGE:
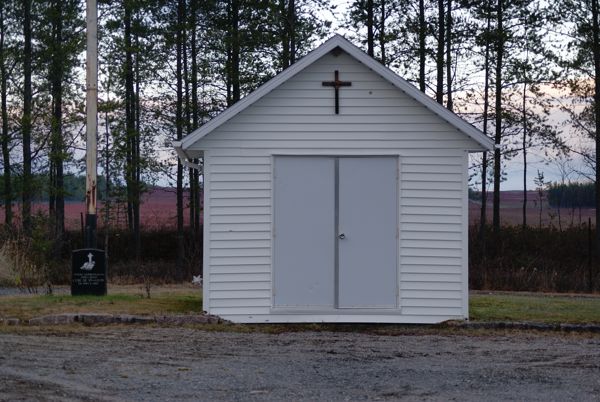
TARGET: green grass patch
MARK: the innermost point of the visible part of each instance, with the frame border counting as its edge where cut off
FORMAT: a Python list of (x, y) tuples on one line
[(535, 308), (182, 299), (124, 300)]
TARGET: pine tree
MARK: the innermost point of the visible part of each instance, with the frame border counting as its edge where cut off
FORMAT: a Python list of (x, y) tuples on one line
[(60, 43), (6, 140), (580, 21), (179, 122), (26, 121)]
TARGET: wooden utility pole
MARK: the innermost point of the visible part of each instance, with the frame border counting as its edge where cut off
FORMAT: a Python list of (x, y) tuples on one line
[(88, 265), (92, 123)]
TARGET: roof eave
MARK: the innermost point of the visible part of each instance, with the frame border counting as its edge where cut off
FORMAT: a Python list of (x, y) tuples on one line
[(181, 154)]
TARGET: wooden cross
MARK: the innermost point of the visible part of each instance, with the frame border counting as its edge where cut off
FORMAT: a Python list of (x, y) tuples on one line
[(337, 84)]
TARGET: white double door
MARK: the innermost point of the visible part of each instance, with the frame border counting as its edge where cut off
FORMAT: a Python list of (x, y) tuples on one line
[(335, 232)]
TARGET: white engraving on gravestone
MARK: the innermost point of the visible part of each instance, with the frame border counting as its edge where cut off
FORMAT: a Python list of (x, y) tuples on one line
[(89, 265)]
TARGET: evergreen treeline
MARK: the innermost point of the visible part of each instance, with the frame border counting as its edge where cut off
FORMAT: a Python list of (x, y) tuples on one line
[(167, 67), (571, 195), (73, 187)]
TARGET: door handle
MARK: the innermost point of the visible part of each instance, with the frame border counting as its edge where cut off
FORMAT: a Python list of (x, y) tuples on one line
[(341, 236)]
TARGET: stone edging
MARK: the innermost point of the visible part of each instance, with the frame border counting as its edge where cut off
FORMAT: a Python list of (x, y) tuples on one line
[(536, 326), (177, 320), (104, 319)]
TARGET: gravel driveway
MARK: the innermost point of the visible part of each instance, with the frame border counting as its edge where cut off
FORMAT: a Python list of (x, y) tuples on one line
[(159, 364)]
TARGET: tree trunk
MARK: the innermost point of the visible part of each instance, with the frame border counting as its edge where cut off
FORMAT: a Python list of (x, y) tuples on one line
[(107, 200), (422, 38), (137, 161), (57, 142), (524, 155), (235, 52), (5, 135), (596, 54), (195, 179), (188, 124), (179, 129), (449, 102), (129, 118), (292, 29), (285, 38), (439, 92), (541, 199), (486, 108), (382, 34), (370, 38), (26, 121), (498, 134), (525, 132)]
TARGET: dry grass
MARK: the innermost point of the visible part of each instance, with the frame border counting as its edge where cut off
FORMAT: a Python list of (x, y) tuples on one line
[(120, 300)]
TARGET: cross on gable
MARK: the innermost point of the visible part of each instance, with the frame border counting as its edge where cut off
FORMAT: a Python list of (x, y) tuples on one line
[(337, 84)]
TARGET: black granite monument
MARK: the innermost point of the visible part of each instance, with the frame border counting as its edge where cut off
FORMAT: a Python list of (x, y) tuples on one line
[(88, 272)]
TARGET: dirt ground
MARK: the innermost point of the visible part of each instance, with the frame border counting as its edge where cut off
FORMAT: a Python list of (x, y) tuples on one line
[(159, 364)]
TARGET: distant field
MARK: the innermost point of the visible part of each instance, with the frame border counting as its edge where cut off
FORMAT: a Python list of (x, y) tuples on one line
[(158, 211), (511, 211)]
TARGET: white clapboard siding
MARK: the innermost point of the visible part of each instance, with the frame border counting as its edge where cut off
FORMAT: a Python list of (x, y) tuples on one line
[(242, 293), (430, 227), (451, 303), (278, 99), (390, 138), (424, 152), (322, 110), (408, 235), (241, 313), (246, 260), (364, 117), (231, 270), (429, 269), (240, 235), (240, 202), (246, 176), (296, 119), (432, 286), (248, 303), (248, 285), (334, 144), (429, 277), (432, 193), (431, 260), (445, 168), (430, 202), (437, 310), (240, 243)]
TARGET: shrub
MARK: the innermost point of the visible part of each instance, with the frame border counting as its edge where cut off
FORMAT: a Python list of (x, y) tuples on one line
[(532, 259), (30, 260)]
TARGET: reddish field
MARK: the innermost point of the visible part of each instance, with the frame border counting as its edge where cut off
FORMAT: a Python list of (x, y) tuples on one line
[(511, 211), (158, 211)]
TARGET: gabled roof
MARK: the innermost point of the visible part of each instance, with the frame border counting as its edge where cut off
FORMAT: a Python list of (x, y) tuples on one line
[(332, 43)]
